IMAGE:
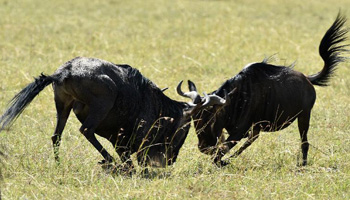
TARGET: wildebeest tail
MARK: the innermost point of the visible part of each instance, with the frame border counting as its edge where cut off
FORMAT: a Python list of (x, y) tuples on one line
[(21, 100), (330, 50)]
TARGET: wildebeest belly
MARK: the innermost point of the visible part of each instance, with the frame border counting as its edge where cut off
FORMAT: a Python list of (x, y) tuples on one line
[(273, 110), (279, 112), (109, 126), (277, 120)]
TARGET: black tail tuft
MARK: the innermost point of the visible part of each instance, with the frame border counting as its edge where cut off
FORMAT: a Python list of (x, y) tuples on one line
[(23, 99), (330, 50)]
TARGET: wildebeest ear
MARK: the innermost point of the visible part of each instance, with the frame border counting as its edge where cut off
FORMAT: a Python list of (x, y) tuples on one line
[(191, 86), (164, 89)]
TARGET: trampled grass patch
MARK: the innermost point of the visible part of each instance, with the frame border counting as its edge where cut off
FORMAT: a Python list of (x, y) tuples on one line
[(168, 41)]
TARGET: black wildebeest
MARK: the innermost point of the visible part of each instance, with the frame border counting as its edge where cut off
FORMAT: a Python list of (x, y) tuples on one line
[(118, 103), (265, 97)]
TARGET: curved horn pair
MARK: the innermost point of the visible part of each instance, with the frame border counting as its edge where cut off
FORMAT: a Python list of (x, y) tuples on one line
[(209, 100), (196, 98), (215, 99)]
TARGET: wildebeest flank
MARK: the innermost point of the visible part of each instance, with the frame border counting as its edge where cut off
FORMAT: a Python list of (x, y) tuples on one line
[(265, 97), (119, 104)]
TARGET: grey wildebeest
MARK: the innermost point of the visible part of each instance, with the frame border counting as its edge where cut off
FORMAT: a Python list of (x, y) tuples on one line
[(118, 103), (265, 97)]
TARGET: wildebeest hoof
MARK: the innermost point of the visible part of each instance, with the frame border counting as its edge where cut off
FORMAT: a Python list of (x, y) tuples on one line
[(106, 165), (222, 163), (126, 169), (122, 169), (302, 164), (103, 162)]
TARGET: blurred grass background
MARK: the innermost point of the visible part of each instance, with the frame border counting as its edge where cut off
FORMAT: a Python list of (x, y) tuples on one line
[(168, 41)]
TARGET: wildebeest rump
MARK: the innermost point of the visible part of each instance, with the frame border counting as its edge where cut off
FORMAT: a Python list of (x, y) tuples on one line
[(265, 97), (117, 103)]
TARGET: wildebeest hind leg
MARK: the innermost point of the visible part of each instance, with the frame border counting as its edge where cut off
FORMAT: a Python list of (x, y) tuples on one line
[(96, 115), (63, 108), (303, 125)]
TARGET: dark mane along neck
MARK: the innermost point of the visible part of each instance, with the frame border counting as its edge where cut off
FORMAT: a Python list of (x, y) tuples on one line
[(253, 73), (135, 77), (228, 85), (162, 104), (168, 106)]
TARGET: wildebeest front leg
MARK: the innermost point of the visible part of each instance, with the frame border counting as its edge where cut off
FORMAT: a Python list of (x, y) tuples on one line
[(251, 138), (223, 149)]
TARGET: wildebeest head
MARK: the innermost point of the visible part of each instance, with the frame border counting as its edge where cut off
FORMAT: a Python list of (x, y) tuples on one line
[(209, 121), (161, 154)]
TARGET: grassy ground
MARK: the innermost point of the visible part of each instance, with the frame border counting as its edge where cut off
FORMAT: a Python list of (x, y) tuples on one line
[(205, 41)]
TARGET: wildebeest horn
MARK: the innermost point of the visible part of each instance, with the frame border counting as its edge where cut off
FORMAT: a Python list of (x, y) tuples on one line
[(192, 94), (206, 101), (191, 86), (214, 99)]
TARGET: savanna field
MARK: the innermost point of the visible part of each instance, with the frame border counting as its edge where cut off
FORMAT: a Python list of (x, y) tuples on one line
[(168, 41)]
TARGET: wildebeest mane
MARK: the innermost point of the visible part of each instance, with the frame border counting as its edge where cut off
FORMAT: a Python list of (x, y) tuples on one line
[(144, 84), (138, 80), (255, 71)]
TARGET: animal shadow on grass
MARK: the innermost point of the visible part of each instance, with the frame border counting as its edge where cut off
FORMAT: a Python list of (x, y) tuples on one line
[(145, 172)]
